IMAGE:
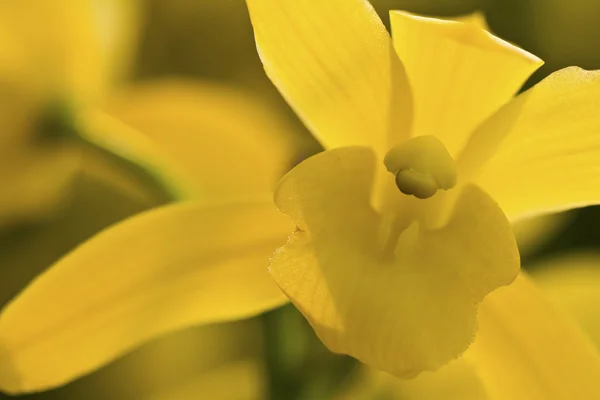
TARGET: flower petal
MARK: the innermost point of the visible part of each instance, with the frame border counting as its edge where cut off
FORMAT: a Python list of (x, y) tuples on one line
[(573, 282), (34, 181), (334, 63), (245, 147), (121, 143), (540, 152), (533, 233), (527, 349), (172, 267), (75, 47), (460, 74), (118, 25), (456, 381), (411, 313), (476, 18)]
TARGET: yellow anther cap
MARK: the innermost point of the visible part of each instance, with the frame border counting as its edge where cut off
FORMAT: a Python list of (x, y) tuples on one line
[(422, 165)]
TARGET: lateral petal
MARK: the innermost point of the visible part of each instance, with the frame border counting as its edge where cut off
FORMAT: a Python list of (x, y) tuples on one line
[(540, 152), (169, 268), (527, 349)]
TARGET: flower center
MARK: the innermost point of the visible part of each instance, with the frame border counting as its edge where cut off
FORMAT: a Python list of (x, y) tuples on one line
[(422, 166)]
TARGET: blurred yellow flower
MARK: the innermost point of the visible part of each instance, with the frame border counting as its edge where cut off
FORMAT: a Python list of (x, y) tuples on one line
[(53, 56), (204, 260), (198, 261)]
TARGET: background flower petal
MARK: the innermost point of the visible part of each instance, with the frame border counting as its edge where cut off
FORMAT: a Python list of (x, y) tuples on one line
[(163, 270), (527, 349), (119, 143), (51, 53), (334, 63), (78, 48), (540, 152), (226, 142), (459, 73)]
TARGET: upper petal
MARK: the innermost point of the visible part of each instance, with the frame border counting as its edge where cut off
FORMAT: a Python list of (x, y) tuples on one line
[(527, 349), (404, 315), (459, 73), (540, 152), (334, 63), (163, 270)]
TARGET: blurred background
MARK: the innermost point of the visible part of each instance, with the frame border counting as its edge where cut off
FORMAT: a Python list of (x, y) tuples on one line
[(209, 43)]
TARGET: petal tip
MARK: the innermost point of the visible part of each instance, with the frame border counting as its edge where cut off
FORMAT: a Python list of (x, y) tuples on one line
[(10, 379), (467, 32)]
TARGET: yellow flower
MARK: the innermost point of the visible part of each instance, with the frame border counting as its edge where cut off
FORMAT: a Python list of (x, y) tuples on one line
[(52, 54), (391, 279), (205, 260)]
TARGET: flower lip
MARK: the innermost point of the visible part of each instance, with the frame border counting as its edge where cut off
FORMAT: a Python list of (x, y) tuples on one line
[(422, 166)]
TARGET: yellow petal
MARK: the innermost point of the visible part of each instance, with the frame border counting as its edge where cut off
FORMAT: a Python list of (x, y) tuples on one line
[(34, 181), (532, 233), (72, 47), (50, 52), (118, 24), (544, 147), (404, 315), (455, 381), (334, 63), (204, 362), (225, 142), (527, 349), (476, 18), (573, 282), (93, 204), (163, 270), (122, 143), (36, 165), (460, 74), (106, 173)]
